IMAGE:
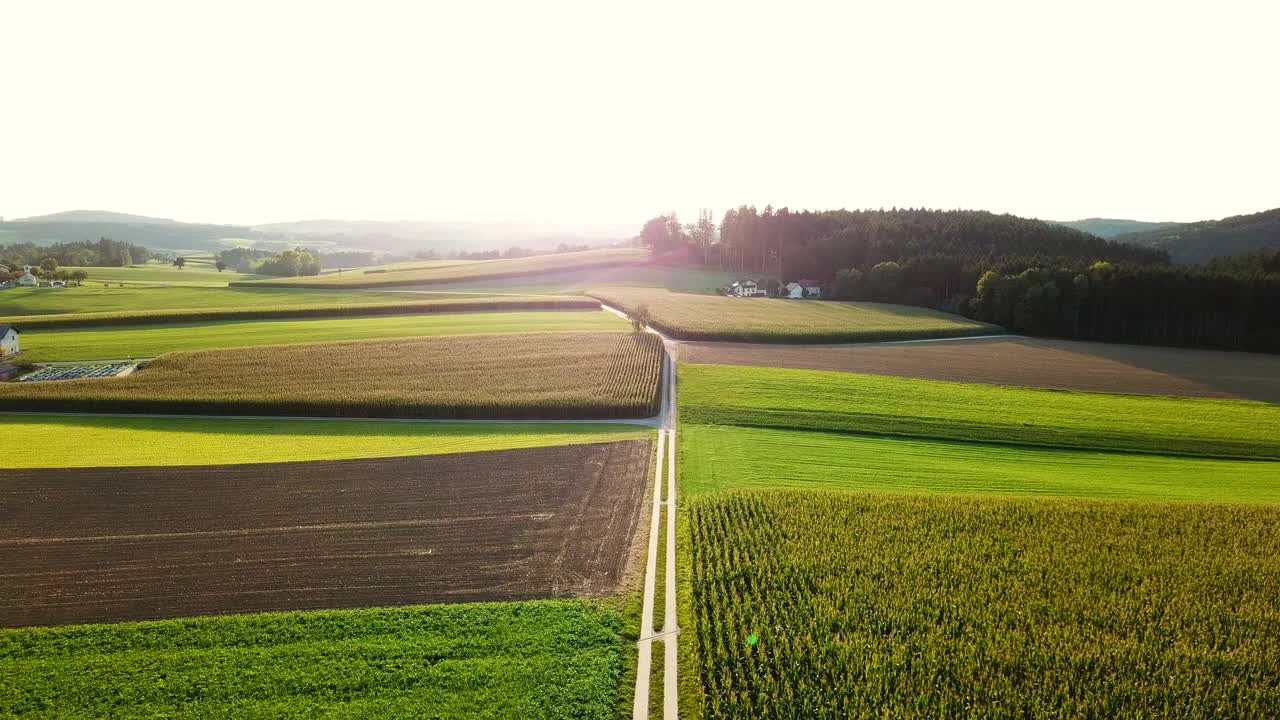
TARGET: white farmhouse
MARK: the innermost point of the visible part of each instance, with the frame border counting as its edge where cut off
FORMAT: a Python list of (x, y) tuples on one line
[(8, 340), (793, 290), (747, 288), (27, 280), (803, 289)]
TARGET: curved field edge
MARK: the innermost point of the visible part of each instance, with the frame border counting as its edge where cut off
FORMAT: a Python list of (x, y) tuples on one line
[(535, 659), (763, 320), (51, 441), (909, 407), (562, 375), (141, 341), (482, 270), (866, 605), (279, 312)]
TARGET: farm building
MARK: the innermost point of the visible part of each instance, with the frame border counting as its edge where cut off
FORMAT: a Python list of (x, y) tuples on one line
[(803, 289), (9, 339), (746, 288), (27, 280)]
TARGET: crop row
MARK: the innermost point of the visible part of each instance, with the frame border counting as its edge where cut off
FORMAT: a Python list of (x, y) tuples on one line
[(277, 312), (713, 317), (834, 605), (515, 376), (485, 270)]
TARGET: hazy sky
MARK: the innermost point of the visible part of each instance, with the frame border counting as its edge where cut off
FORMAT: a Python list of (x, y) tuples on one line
[(589, 112)]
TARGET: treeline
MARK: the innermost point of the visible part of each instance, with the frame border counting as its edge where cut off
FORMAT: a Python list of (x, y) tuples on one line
[(1029, 276), (1185, 306), (287, 263), (103, 253)]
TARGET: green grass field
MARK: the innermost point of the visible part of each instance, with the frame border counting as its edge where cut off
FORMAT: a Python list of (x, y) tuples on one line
[(195, 274), (429, 273), (88, 299), (838, 605), (714, 317), (678, 279), (41, 441), (548, 659), (716, 458), (823, 400), (151, 340)]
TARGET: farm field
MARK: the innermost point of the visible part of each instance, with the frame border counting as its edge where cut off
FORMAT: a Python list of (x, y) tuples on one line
[(909, 407), (66, 441), (20, 303), (193, 275), (405, 305), (713, 317), (83, 545), (678, 279), (540, 660), (422, 273), (715, 458), (152, 340), (1026, 362), (869, 606), (511, 376)]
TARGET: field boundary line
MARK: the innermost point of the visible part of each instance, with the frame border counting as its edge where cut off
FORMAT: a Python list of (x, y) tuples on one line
[(644, 646), (649, 422)]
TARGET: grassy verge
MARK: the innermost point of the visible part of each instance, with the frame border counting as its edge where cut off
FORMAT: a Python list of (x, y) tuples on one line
[(873, 404), (268, 312), (515, 376), (547, 659), (152, 340), (884, 606), (90, 299), (712, 317), (63, 441)]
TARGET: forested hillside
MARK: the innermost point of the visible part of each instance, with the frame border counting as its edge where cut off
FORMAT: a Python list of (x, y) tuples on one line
[(1030, 276), (80, 226), (1111, 227), (1202, 241)]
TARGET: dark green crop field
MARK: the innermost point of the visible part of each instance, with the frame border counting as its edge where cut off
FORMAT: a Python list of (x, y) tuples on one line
[(874, 404), (818, 605), (547, 659)]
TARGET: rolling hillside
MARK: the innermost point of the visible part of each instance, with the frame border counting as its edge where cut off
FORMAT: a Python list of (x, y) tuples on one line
[(1199, 242), (1108, 228)]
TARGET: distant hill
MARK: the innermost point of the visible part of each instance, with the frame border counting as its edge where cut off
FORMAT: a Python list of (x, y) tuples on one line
[(403, 237), (1200, 242), (1111, 227), (89, 225), (96, 216)]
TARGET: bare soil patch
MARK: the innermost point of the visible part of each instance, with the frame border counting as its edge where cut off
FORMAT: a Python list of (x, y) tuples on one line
[(1026, 362), (103, 545)]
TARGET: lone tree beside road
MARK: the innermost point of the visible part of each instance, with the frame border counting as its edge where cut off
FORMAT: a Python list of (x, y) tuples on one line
[(640, 318)]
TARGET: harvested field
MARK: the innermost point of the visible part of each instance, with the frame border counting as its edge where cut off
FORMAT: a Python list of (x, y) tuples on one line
[(1027, 362), (423, 274), (686, 316), (514, 376), (93, 545)]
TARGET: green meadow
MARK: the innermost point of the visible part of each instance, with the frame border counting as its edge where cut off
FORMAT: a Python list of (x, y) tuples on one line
[(124, 341), (38, 441), (88, 299), (193, 275), (874, 404)]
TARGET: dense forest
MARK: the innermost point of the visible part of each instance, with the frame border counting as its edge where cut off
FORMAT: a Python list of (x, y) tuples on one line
[(287, 263), (1030, 276)]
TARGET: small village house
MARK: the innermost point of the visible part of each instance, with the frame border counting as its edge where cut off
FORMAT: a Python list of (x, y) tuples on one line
[(747, 288), (802, 289), (9, 339), (27, 280)]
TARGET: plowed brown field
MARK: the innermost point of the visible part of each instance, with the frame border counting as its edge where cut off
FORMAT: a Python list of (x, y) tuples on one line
[(1027, 362), (101, 545)]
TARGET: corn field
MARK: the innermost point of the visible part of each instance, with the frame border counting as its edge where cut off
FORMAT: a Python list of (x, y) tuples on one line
[(514, 376), (836, 605)]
